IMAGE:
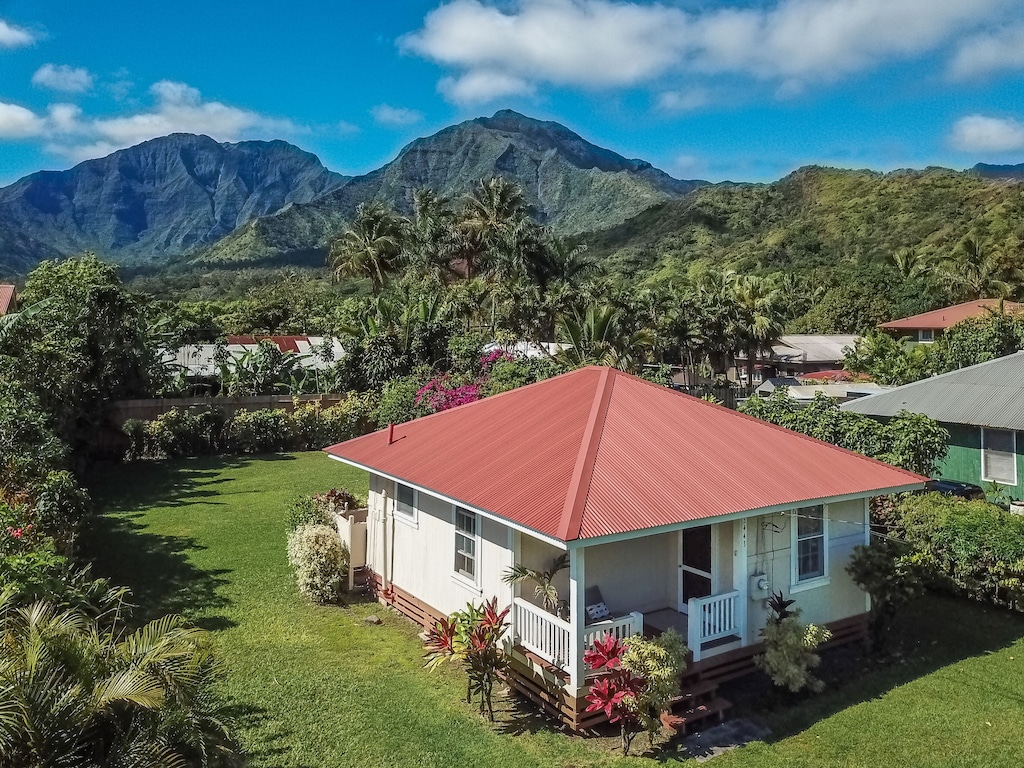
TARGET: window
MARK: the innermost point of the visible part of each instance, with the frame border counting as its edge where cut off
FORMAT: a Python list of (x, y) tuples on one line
[(926, 335), (811, 547), (405, 503), (999, 456), (465, 544)]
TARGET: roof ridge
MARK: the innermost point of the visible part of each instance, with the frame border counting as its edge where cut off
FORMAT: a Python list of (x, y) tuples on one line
[(583, 472)]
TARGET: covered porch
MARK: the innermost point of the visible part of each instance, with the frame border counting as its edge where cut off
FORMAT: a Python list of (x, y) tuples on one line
[(693, 581)]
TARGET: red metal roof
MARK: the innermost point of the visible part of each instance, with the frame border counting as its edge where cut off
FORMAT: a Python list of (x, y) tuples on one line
[(7, 297), (941, 319), (597, 452), (284, 343), (836, 374)]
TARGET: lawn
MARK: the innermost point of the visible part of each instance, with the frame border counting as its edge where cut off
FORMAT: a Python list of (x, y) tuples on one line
[(319, 687)]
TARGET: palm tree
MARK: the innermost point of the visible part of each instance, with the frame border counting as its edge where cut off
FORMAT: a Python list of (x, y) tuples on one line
[(429, 249), (974, 273), (760, 320), (597, 337), (372, 246), (75, 693), (490, 213), (544, 580), (910, 264), (717, 318)]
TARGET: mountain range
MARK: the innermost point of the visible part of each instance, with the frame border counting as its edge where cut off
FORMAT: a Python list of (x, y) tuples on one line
[(191, 201), (270, 202)]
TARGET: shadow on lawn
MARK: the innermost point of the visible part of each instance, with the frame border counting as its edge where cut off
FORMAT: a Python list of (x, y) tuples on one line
[(934, 633), (156, 567)]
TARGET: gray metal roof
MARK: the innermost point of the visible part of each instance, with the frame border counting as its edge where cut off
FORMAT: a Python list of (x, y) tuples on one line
[(989, 395), (813, 348)]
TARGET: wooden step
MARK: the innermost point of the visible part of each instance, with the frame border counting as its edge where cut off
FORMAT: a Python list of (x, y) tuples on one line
[(695, 692), (686, 720)]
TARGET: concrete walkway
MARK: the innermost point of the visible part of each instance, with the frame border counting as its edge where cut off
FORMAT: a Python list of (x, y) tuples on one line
[(722, 738)]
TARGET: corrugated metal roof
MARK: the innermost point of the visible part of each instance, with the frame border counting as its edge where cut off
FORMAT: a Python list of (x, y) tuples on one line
[(8, 293), (989, 395), (597, 452), (199, 359), (940, 319), (813, 348)]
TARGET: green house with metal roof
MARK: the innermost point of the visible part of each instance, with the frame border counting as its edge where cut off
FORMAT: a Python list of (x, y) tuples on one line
[(982, 407)]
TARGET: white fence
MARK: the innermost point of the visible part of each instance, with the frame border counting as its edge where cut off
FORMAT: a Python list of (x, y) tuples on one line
[(541, 632), (712, 618), (621, 628)]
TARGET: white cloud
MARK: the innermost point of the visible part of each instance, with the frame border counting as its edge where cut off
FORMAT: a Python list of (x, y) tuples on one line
[(19, 123), (688, 166), (483, 85), (989, 52), (385, 114), (613, 43), (63, 78), (14, 37), (345, 128), (177, 108), (979, 133), (683, 101)]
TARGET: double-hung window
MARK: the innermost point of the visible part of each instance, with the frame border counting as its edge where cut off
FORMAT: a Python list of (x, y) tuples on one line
[(810, 532), (405, 504), (999, 456), (467, 538)]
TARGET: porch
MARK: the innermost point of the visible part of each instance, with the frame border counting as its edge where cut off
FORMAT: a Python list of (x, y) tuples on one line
[(693, 581)]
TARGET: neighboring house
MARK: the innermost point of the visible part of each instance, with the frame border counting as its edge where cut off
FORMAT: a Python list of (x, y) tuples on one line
[(798, 354), (199, 361), (528, 349), (8, 299), (805, 391), (928, 326), (982, 406), (674, 512)]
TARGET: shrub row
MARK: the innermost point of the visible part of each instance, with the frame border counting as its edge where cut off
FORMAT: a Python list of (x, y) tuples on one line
[(208, 430), (973, 548)]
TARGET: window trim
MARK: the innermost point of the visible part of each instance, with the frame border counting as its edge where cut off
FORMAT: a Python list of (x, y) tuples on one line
[(921, 339), (412, 520), (796, 583), (1013, 453), (457, 577)]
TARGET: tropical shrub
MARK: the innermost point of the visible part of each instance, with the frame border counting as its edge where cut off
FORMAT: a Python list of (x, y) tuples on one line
[(789, 655), (642, 676), (314, 427), (319, 508), (320, 560), (970, 547), (473, 638), (398, 400), (197, 431), (137, 432), (544, 583), (506, 374), (442, 394), (60, 506), (263, 431), (888, 571), (82, 693)]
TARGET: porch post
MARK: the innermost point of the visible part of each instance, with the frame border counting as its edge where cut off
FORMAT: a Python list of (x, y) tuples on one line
[(740, 576), (577, 615), (867, 543)]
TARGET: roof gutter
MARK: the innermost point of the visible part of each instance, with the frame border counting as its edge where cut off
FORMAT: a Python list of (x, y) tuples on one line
[(558, 543)]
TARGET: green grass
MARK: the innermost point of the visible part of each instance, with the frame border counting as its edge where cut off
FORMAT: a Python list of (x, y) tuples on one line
[(318, 687)]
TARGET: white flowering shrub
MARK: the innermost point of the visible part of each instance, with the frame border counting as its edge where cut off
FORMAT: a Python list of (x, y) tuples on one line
[(320, 560)]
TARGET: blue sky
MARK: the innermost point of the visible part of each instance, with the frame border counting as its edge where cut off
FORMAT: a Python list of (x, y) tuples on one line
[(716, 90)]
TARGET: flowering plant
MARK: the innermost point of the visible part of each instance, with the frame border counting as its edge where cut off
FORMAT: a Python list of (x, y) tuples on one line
[(439, 395)]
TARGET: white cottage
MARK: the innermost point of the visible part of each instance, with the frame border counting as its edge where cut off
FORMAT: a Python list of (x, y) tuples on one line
[(674, 512)]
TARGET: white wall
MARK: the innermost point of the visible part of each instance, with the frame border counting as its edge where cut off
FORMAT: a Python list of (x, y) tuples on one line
[(636, 574), (423, 559), (769, 548)]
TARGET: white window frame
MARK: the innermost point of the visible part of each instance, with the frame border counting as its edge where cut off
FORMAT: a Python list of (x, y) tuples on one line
[(984, 448), (457, 577), (411, 519), (925, 335), (797, 584)]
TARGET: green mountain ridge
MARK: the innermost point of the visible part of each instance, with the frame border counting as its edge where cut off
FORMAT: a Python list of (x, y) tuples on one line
[(572, 186), (818, 218)]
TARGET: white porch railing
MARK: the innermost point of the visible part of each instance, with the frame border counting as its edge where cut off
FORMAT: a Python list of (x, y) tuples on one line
[(620, 628), (712, 618), (541, 632), (549, 637)]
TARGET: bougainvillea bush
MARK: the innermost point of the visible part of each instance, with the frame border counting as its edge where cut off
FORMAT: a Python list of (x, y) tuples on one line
[(440, 394), (642, 676)]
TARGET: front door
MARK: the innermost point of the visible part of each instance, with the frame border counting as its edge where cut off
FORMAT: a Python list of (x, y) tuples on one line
[(695, 563)]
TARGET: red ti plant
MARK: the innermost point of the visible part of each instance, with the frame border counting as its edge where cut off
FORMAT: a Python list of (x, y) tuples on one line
[(614, 693), (473, 638)]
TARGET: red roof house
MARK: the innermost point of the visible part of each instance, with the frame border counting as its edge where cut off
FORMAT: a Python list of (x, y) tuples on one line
[(8, 299), (668, 507), (926, 326)]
